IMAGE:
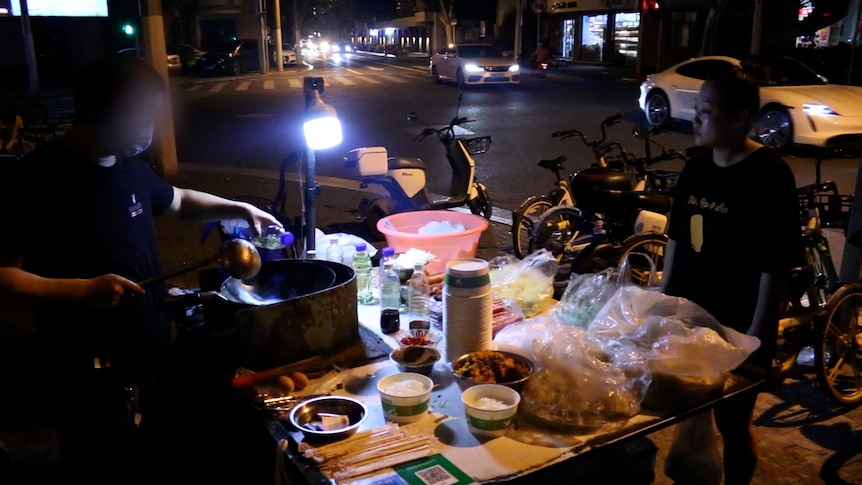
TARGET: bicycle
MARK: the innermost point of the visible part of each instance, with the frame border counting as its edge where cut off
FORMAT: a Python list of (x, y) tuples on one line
[(816, 313), (530, 211)]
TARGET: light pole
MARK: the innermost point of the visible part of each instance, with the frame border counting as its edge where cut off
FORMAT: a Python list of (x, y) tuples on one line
[(322, 130)]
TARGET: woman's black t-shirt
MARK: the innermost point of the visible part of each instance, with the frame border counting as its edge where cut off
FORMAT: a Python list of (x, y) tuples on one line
[(731, 225), (70, 218)]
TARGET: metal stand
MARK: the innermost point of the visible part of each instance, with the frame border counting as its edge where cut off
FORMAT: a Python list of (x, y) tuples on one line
[(313, 87)]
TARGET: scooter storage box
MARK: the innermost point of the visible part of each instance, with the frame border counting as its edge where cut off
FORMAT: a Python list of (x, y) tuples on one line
[(368, 161)]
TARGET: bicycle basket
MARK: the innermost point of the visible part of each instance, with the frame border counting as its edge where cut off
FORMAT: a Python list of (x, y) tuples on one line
[(478, 145), (833, 209)]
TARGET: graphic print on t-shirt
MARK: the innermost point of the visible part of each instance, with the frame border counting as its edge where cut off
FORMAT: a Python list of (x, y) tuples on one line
[(696, 225), (136, 208)]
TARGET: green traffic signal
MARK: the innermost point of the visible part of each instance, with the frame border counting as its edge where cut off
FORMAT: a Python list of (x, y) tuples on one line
[(128, 29)]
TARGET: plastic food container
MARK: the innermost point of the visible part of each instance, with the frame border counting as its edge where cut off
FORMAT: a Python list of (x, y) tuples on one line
[(490, 420), (400, 408), (402, 233)]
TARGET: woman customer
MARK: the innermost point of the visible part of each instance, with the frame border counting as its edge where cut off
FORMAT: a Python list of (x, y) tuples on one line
[(734, 235)]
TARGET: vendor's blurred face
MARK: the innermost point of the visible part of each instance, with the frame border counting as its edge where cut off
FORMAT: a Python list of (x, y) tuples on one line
[(713, 124), (129, 129)]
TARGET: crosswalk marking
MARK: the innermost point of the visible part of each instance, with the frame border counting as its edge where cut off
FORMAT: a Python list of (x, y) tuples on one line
[(345, 81), (217, 88), (369, 80), (352, 71), (294, 83), (194, 87), (269, 84), (396, 79), (243, 86)]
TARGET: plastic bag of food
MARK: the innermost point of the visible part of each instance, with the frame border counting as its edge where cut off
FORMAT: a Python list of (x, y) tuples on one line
[(580, 381), (505, 312), (584, 296), (690, 354), (530, 282)]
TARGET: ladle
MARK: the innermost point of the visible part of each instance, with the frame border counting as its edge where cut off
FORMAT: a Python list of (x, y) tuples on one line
[(238, 257)]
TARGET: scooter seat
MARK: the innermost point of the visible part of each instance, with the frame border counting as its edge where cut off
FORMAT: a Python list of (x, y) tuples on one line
[(396, 163), (635, 199), (553, 164)]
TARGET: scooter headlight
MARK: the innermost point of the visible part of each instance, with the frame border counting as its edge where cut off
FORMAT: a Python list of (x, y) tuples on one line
[(472, 68)]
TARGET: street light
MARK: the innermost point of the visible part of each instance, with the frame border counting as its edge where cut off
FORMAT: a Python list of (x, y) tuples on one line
[(322, 130)]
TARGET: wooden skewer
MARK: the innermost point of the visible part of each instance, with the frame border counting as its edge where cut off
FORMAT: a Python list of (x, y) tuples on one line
[(364, 456)]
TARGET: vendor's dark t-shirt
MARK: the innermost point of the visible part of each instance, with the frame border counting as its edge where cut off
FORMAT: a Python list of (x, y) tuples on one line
[(731, 225), (70, 218)]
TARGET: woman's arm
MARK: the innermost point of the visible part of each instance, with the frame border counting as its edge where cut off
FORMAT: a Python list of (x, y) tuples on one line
[(667, 269), (768, 303), (196, 206)]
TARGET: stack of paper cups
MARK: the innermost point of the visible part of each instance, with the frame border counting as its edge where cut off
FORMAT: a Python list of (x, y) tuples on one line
[(468, 307)]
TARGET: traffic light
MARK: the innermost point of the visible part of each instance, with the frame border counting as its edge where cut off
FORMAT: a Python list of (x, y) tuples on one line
[(128, 29)]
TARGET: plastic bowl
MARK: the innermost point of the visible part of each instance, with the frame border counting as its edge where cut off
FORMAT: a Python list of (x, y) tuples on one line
[(490, 422), (405, 409), (419, 337), (310, 411), (402, 233), (414, 358)]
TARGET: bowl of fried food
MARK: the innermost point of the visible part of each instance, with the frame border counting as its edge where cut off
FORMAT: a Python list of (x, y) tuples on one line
[(493, 367)]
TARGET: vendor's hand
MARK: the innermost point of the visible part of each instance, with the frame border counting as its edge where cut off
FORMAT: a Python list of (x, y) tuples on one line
[(108, 290), (258, 219)]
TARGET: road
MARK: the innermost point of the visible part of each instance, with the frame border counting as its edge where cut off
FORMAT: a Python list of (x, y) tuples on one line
[(252, 121)]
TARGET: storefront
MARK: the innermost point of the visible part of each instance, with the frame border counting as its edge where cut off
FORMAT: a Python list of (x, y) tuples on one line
[(606, 31)]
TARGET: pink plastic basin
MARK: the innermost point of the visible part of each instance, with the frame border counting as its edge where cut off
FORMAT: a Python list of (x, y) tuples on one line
[(402, 233)]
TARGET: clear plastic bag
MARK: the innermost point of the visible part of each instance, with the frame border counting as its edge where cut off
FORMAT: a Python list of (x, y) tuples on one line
[(529, 282), (584, 296), (689, 353), (580, 381)]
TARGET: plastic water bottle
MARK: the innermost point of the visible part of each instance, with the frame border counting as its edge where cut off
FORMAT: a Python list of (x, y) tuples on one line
[(274, 237), (390, 298), (386, 254), (418, 294), (362, 267), (334, 251)]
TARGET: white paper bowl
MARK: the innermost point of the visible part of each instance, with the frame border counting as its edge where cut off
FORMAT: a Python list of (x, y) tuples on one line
[(490, 423), (405, 409)]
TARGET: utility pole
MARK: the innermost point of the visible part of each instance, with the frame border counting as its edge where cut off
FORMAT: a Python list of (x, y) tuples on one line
[(29, 48), (757, 27), (519, 23), (262, 51), (279, 55), (855, 43), (155, 53)]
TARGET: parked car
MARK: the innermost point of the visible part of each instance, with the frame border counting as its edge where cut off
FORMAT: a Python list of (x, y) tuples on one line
[(189, 55), (173, 60), (798, 106), (288, 54), (234, 57), (467, 64)]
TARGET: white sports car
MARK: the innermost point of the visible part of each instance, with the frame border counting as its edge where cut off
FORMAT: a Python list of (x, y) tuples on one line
[(797, 105)]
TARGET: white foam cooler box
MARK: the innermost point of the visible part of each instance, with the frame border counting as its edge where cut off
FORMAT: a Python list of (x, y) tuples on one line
[(368, 161)]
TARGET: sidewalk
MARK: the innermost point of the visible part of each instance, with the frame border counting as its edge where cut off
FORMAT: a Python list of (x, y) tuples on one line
[(803, 438)]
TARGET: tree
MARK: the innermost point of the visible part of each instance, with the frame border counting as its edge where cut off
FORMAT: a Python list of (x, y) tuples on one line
[(710, 29), (174, 11), (305, 9)]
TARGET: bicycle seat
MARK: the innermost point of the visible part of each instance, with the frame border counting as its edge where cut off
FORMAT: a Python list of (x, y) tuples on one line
[(554, 164), (396, 163)]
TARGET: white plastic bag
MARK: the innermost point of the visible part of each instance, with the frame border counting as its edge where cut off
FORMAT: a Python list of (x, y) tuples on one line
[(347, 242), (530, 281)]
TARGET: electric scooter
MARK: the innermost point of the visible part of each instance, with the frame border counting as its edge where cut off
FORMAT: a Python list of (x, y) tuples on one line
[(404, 180)]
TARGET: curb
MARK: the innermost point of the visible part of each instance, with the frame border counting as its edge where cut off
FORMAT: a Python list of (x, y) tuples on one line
[(288, 72)]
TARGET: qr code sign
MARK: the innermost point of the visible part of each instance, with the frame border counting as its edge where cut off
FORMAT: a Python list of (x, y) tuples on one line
[(436, 475)]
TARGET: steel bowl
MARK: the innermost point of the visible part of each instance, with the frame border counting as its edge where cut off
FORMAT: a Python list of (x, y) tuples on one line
[(305, 414), (516, 384), (415, 358)]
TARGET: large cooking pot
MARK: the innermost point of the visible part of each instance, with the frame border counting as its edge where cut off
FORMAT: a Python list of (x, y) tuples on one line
[(322, 322)]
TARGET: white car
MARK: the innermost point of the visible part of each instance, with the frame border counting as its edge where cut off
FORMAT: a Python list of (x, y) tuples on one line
[(288, 54), (467, 64), (798, 106)]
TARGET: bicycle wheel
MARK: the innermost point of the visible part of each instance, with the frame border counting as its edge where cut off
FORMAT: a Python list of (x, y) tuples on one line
[(837, 354), (523, 221), (557, 231), (637, 249), (481, 205)]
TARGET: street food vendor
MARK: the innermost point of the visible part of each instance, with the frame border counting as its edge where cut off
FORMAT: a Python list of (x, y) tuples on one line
[(734, 235), (78, 214)]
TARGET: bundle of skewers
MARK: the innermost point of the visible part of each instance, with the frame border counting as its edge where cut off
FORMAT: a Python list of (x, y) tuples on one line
[(370, 452)]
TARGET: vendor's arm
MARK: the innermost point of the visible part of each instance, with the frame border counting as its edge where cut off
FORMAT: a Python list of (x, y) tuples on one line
[(768, 303), (667, 269), (196, 206), (22, 290)]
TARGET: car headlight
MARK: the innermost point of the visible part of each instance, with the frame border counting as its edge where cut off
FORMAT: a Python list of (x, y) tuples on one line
[(335, 48), (818, 109), (347, 48), (472, 68), (514, 68)]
